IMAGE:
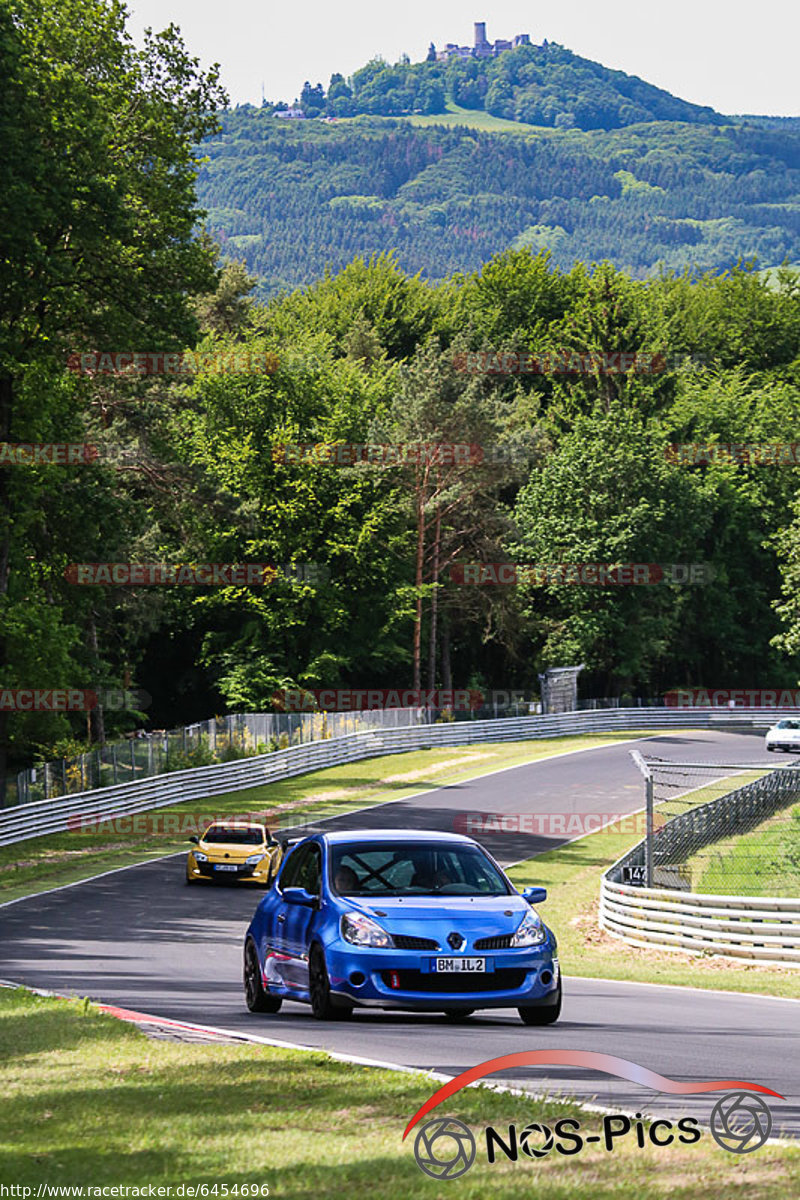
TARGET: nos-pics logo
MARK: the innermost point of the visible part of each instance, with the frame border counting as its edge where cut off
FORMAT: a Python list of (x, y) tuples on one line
[(446, 1148)]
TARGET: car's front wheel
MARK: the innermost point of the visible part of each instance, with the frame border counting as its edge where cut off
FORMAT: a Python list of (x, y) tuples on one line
[(542, 1014), (324, 1006), (256, 998)]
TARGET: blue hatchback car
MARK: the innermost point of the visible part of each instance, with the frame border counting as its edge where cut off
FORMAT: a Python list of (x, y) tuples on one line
[(399, 919)]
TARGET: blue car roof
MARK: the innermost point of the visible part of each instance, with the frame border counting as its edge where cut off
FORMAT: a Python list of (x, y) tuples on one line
[(393, 835)]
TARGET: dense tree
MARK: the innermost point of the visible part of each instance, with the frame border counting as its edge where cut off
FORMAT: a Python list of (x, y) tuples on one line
[(98, 249), (101, 251)]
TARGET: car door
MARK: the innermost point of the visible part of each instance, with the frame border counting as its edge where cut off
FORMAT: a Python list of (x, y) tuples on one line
[(280, 965), (300, 918)]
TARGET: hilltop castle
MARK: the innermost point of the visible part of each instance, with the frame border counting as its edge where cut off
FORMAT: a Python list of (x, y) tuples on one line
[(482, 47)]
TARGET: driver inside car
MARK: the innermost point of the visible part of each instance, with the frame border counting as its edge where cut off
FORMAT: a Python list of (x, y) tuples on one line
[(345, 880)]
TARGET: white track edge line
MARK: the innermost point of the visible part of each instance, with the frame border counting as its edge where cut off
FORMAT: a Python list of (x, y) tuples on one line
[(679, 987)]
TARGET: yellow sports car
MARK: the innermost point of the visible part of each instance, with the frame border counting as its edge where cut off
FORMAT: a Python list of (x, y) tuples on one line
[(234, 850)]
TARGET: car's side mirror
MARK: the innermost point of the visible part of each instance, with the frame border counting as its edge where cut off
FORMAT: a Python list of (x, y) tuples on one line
[(194, 838), (299, 895), (534, 895)]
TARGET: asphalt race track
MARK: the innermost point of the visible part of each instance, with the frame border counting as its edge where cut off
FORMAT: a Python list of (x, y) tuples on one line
[(141, 939)]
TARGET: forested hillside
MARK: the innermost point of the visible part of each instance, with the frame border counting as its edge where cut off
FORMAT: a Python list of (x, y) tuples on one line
[(290, 202), (539, 85), (571, 463)]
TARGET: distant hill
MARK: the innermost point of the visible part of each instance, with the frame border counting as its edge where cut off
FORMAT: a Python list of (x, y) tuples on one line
[(292, 197), (544, 85), (787, 124)]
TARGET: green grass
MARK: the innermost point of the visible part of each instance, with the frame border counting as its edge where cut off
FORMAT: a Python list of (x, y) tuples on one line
[(90, 1100), (571, 875), (764, 862), (45, 862), (473, 118)]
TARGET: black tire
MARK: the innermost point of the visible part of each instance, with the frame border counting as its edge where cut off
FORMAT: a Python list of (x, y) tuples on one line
[(256, 998), (542, 1014), (324, 1006), (770, 749), (458, 1014)]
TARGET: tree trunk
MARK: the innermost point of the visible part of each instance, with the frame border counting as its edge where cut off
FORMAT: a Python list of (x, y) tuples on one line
[(417, 684), (97, 724), (437, 537), (6, 401), (447, 674)]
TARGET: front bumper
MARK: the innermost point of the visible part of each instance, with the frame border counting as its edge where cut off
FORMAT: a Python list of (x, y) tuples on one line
[(252, 872), (785, 744), (403, 979)]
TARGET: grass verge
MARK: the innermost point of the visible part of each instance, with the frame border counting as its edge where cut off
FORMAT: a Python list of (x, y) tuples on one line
[(46, 862), (92, 1101), (473, 118), (763, 862), (571, 875)]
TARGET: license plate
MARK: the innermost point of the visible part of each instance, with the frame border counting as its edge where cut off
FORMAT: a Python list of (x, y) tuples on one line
[(225, 867), (450, 965)]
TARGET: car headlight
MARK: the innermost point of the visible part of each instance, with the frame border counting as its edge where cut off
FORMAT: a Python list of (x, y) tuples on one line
[(199, 856), (363, 931), (530, 933), (255, 858)]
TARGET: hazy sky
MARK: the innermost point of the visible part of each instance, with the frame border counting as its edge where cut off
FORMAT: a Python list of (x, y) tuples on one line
[(738, 57)]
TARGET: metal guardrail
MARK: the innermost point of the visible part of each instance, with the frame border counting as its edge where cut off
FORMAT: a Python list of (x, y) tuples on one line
[(763, 928), (159, 752), (759, 928), (25, 821)]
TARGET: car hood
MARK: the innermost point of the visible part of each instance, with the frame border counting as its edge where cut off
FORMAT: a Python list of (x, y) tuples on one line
[(229, 850), (405, 914)]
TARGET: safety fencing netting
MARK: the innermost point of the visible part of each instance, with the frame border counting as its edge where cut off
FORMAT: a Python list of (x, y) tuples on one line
[(719, 828)]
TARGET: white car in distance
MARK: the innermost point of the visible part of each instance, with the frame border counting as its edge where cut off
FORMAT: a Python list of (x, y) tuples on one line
[(785, 735)]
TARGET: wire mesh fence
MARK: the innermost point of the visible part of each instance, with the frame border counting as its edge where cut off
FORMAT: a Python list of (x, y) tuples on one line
[(720, 829), (224, 739), (220, 739)]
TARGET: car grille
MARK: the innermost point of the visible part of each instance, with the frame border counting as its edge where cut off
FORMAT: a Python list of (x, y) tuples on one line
[(494, 943), (404, 941), (460, 981), (208, 869)]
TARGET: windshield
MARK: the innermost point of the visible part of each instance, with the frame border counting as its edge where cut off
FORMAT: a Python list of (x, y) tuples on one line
[(400, 869), (788, 725), (233, 837)]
